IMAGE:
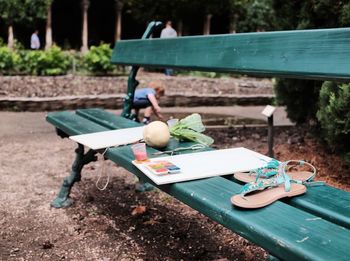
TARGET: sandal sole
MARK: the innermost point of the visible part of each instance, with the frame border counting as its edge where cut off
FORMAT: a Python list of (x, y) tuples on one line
[(266, 197)]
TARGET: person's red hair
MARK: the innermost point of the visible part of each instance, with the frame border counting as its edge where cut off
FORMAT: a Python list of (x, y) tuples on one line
[(158, 87)]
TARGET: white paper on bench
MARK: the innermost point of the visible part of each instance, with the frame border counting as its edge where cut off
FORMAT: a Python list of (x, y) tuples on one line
[(106, 139), (208, 164)]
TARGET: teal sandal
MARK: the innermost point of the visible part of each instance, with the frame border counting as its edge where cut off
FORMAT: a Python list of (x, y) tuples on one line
[(271, 169), (264, 191), (268, 171)]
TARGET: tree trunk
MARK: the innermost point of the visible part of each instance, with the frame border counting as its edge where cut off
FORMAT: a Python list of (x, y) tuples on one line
[(206, 28), (84, 37), (10, 38), (233, 23), (48, 34), (179, 28), (232, 29), (118, 20)]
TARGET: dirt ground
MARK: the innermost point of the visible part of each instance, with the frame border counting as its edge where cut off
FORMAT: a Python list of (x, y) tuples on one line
[(119, 223)]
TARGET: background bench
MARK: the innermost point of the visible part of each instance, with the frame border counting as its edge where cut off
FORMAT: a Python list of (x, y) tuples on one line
[(314, 226)]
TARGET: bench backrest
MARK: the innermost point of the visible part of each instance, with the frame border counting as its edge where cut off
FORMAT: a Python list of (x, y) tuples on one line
[(314, 54)]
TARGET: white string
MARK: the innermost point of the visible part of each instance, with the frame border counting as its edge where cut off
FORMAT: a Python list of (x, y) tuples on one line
[(102, 172), (193, 147)]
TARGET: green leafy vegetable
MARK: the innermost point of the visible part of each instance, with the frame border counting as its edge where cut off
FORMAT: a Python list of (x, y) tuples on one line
[(191, 128)]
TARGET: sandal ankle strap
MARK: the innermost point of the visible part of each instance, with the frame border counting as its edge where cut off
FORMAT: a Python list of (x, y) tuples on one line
[(279, 177), (301, 163)]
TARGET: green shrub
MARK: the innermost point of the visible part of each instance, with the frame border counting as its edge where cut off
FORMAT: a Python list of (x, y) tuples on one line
[(300, 98), (334, 116), (30, 62), (98, 59), (50, 62), (53, 62), (77, 61), (17, 46), (8, 60)]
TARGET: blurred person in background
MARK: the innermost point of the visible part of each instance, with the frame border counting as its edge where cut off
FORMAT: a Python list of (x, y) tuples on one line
[(168, 32), (34, 41)]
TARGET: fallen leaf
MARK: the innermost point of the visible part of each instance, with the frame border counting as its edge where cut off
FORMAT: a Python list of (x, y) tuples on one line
[(151, 222), (139, 210)]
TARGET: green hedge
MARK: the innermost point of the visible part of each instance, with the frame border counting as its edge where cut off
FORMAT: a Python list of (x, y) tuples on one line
[(55, 61), (334, 117), (326, 104), (8, 60), (300, 98), (51, 62), (98, 60), (29, 62)]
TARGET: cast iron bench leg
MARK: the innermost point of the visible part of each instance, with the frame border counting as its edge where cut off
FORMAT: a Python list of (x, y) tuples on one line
[(81, 159)]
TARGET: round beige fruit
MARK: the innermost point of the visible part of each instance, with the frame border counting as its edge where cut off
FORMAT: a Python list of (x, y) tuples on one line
[(156, 134)]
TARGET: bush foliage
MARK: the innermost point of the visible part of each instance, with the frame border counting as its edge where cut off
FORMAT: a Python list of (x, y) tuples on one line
[(300, 98), (29, 62), (334, 116), (54, 61), (51, 62), (8, 60), (98, 59)]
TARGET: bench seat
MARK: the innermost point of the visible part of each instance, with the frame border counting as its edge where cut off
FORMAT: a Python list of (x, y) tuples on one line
[(314, 226)]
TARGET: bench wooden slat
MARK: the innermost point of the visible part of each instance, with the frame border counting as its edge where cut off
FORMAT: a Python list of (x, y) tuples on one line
[(72, 124), (300, 54), (327, 202), (324, 201), (107, 119)]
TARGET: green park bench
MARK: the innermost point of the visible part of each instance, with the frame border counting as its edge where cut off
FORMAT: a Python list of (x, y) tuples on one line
[(314, 226)]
